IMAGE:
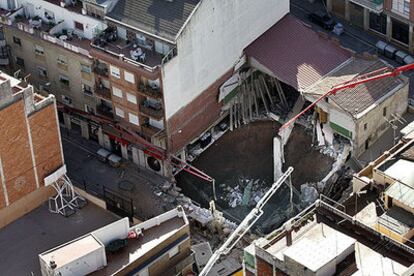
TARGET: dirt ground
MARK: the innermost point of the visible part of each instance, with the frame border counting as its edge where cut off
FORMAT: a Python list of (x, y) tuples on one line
[(309, 164)]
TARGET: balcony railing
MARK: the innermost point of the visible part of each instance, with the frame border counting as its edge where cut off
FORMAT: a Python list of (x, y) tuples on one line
[(149, 91), (147, 110), (104, 111), (101, 69), (103, 92), (149, 130)]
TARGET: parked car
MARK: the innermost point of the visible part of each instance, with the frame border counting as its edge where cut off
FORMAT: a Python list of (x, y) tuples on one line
[(322, 19)]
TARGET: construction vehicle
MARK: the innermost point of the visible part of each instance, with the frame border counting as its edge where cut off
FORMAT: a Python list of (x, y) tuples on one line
[(246, 224), (385, 72)]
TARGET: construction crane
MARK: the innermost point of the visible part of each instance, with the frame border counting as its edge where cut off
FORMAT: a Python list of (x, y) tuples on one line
[(385, 72), (246, 224), (147, 147)]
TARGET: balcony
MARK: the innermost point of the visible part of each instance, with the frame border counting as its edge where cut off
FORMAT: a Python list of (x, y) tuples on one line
[(149, 91), (103, 92), (149, 130), (376, 6), (152, 111), (101, 69), (104, 110)]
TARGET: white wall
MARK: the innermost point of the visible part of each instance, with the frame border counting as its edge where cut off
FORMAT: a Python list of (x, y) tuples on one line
[(212, 42), (90, 24)]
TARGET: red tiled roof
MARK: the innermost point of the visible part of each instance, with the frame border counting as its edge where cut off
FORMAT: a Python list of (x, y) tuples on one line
[(295, 53)]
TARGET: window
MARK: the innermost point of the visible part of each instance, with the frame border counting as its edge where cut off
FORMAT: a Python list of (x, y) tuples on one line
[(116, 92), (384, 112), (39, 50), (400, 31), (78, 26), (42, 72), (66, 100), (378, 22), (174, 251), (115, 72), (64, 80), (129, 77), (62, 60), (17, 41), (133, 119), (401, 7), (365, 126), (87, 89), (86, 68), (89, 109), (131, 98), (20, 62), (119, 112)]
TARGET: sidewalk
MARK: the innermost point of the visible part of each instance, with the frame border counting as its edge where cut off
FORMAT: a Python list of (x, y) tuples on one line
[(129, 180)]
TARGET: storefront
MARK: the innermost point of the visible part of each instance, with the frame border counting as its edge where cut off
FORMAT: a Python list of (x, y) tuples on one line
[(400, 31), (356, 15), (378, 23)]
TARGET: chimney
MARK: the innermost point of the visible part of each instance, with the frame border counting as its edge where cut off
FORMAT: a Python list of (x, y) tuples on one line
[(288, 229)]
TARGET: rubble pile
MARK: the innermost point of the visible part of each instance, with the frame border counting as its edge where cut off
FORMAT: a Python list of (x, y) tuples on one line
[(246, 193)]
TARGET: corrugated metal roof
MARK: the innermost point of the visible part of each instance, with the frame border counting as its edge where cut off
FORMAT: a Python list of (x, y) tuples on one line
[(159, 17), (295, 53), (402, 193)]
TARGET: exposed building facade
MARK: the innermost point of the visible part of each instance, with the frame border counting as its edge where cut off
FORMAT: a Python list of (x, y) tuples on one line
[(361, 114), (30, 147), (391, 20), (158, 246)]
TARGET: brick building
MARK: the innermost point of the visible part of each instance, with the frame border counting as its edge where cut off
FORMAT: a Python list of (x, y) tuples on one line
[(30, 147), (391, 20), (154, 67)]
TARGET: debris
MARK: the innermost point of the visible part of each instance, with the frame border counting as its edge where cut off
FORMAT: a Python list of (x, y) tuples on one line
[(308, 194)]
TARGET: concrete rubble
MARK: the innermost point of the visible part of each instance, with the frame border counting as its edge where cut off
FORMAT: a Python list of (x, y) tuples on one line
[(247, 193)]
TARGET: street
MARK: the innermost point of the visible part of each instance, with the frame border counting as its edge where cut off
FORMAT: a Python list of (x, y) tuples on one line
[(129, 180)]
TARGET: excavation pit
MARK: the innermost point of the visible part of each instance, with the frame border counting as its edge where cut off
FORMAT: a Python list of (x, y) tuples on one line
[(245, 155)]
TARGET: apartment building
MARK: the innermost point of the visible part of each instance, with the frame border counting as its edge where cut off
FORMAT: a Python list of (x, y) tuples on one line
[(325, 240), (30, 147), (391, 20), (49, 44), (154, 67), (158, 246), (392, 173)]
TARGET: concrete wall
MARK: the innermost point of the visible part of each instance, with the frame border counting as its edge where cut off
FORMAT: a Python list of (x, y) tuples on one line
[(158, 248), (212, 42), (376, 124)]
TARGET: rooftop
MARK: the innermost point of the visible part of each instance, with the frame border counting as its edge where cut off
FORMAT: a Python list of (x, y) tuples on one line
[(400, 170), (398, 220), (295, 54), (152, 233), (358, 99), (158, 17), (114, 45), (40, 230)]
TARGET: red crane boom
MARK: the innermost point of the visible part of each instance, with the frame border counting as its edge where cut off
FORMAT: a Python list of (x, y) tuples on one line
[(371, 76)]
